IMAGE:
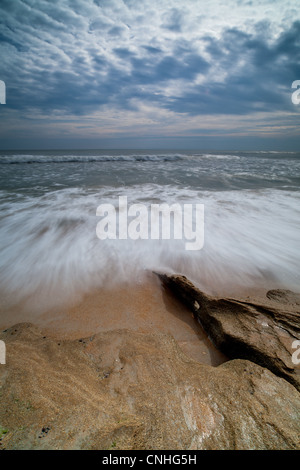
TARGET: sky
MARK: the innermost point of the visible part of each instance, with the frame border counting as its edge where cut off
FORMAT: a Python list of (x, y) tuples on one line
[(204, 74)]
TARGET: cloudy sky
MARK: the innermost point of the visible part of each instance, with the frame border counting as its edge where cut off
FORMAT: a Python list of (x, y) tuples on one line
[(150, 74)]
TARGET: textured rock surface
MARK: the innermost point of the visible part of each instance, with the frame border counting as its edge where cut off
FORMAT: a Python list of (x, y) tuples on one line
[(128, 390), (284, 296), (260, 333)]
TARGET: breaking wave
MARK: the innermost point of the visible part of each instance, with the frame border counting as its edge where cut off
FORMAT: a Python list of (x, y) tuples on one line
[(23, 159), (49, 246)]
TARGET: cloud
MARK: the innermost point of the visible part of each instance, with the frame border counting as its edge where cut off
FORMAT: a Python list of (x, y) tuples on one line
[(81, 57), (257, 74), (173, 20)]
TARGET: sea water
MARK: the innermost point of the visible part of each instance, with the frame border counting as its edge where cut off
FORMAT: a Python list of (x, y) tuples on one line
[(49, 247)]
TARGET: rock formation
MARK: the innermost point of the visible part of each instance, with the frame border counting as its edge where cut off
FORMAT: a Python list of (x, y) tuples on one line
[(244, 330), (127, 390)]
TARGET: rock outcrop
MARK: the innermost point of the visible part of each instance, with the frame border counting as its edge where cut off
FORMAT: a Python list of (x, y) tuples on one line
[(127, 390), (284, 296), (243, 330)]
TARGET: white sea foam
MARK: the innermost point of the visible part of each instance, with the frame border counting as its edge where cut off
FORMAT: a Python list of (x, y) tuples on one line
[(77, 158), (49, 247)]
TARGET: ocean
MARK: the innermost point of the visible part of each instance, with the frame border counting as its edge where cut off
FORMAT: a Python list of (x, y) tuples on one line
[(49, 248)]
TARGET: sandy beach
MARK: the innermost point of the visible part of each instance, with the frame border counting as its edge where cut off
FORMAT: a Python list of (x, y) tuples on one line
[(145, 308)]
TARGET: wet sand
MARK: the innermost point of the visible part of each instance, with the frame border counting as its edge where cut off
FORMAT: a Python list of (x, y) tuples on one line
[(144, 308)]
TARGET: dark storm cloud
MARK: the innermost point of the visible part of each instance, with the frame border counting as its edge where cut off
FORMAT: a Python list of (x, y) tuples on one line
[(259, 74), (170, 67), (54, 58)]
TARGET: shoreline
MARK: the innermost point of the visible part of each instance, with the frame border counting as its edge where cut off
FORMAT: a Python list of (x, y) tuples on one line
[(144, 307)]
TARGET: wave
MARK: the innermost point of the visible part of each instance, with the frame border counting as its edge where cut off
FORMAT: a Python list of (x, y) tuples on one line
[(50, 250), (30, 159)]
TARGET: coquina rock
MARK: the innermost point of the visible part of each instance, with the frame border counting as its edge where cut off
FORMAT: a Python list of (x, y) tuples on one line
[(245, 330), (127, 390)]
